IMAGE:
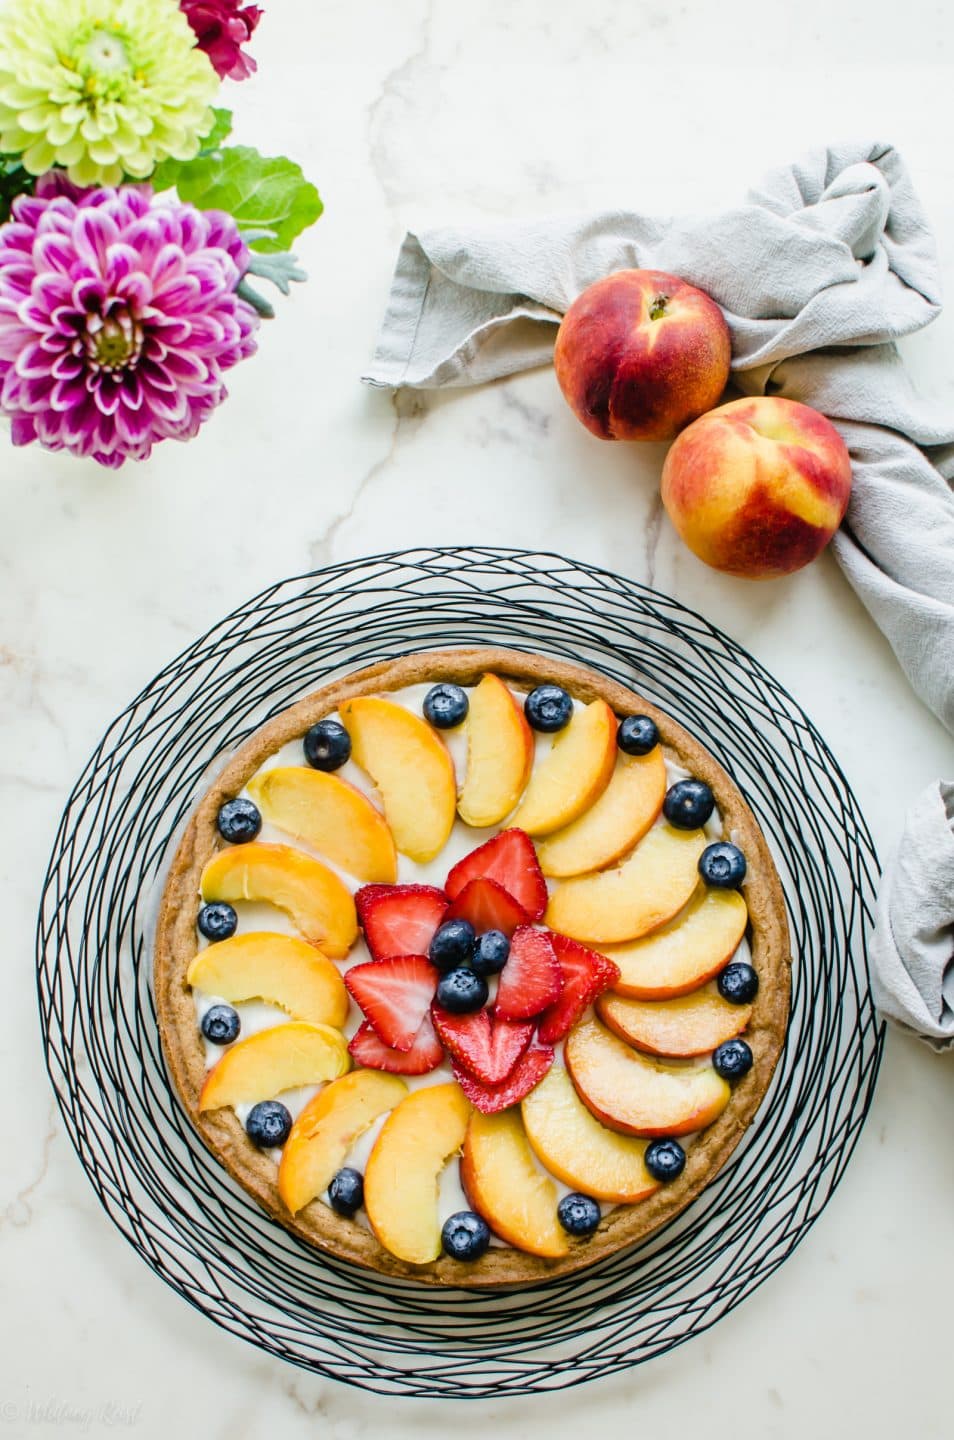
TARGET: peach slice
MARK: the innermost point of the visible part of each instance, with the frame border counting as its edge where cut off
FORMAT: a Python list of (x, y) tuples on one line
[(412, 769), (316, 901), (650, 886), (504, 1184), (328, 1127), (581, 1152), (274, 1060), (574, 774), (693, 1024), (611, 827), (331, 816), (500, 749), (629, 1092), (401, 1176), (687, 952), (277, 968)]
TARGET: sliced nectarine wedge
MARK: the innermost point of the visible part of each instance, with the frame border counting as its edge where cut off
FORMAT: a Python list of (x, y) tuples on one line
[(331, 816), (693, 1024), (686, 952), (328, 1127), (274, 1060), (574, 774), (276, 968), (611, 826), (411, 767), (401, 1176), (581, 1152), (650, 886), (505, 1186), (500, 749), (629, 1092), (313, 897)]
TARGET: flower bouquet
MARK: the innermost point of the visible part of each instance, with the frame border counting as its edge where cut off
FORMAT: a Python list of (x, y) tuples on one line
[(130, 232)]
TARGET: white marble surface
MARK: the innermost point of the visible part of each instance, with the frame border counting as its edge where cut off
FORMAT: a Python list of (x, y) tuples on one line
[(406, 114)]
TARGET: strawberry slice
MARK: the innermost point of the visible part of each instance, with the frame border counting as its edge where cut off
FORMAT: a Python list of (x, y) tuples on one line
[(586, 974), (509, 859), (395, 995), (487, 906), (425, 1054), (487, 1049), (531, 979), (528, 1071), (399, 919)]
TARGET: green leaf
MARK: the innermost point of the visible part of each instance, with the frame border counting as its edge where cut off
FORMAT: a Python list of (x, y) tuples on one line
[(281, 270), (14, 181), (167, 173), (268, 195), (220, 131)]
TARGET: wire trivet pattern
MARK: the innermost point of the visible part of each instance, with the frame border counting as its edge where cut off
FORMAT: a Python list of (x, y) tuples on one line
[(170, 1198)]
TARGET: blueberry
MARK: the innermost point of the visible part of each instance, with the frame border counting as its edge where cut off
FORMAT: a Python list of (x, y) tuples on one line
[(490, 952), (637, 735), (453, 945), (327, 745), (732, 1060), (465, 1236), (548, 708), (722, 866), (239, 821), (446, 706), (221, 1024), (462, 991), (738, 983), (268, 1124), (688, 804), (665, 1160), (346, 1191), (217, 921), (578, 1214)]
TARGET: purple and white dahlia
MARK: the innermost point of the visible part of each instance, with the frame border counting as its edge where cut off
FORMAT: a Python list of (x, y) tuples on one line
[(118, 318)]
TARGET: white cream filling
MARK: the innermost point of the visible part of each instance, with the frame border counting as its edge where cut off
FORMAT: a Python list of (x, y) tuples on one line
[(256, 1015)]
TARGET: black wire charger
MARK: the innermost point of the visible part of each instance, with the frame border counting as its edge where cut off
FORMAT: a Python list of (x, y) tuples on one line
[(180, 1210)]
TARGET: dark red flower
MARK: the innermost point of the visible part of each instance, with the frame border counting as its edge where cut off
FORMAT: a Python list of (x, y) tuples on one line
[(223, 27)]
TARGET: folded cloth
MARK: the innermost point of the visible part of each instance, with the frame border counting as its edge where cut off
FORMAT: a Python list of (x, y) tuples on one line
[(825, 266), (913, 945)]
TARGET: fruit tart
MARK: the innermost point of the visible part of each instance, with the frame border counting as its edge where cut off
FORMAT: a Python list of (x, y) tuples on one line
[(472, 967)]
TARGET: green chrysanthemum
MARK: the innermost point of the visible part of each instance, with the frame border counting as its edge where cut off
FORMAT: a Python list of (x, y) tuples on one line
[(104, 88)]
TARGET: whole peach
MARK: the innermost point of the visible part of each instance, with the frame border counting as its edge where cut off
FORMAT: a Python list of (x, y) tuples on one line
[(758, 487), (640, 354)]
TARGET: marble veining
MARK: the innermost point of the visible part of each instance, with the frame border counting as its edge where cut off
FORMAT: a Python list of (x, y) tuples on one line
[(410, 408), (400, 94), (18, 1211)]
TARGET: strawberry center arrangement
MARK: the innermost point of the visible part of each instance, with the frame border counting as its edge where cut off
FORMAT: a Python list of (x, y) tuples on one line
[(438, 954)]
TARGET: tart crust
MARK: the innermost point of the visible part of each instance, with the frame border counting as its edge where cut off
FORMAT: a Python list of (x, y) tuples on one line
[(317, 1223)]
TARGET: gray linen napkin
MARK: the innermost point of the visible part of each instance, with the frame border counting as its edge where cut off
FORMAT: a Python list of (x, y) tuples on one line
[(914, 936), (828, 262)]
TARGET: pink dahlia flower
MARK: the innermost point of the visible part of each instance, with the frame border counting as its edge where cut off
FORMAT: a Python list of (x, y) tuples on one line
[(223, 27), (118, 318)]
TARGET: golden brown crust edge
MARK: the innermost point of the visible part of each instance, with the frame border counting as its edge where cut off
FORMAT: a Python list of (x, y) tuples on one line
[(319, 1225)]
